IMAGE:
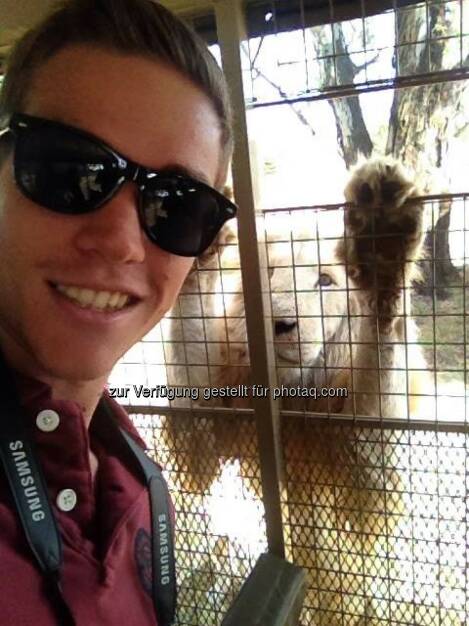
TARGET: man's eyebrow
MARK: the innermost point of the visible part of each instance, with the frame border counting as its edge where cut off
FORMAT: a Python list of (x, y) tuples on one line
[(182, 170)]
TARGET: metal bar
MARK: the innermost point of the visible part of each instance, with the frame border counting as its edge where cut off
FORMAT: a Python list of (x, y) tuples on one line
[(339, 205), (231, 31), (343, 91), (319, 418), (316, 13)]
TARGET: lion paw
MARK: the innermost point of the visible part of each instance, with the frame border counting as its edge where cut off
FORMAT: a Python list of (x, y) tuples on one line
[(380, 194), (379, 182), (384, 217), (384, 230)]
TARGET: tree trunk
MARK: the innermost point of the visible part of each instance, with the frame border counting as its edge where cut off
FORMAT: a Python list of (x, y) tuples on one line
[(352, 133), (437, 271), (419, 125)]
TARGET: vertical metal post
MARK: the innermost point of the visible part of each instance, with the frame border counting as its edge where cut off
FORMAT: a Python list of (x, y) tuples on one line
[(231, 32)]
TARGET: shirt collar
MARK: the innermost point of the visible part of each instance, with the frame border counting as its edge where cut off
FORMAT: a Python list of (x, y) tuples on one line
[(58, 432)]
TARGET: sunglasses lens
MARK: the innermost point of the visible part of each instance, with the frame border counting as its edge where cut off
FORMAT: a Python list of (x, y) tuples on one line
[(181, 216), (63, 171), (66, 170)]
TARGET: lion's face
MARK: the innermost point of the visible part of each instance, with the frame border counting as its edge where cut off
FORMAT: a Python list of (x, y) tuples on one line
[(309, 299)]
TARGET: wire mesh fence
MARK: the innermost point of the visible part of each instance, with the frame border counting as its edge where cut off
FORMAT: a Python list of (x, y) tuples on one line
[(313, 49), (220, 528), (373, 501), (382, 525), (367, 305)]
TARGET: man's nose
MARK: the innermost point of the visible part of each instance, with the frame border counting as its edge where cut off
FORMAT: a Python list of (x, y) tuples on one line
[(113, 231)]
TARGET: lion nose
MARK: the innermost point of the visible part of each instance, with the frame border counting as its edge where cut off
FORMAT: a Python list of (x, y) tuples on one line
[(282, 327)]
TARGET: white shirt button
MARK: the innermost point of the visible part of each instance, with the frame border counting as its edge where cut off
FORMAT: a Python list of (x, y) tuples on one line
[(47, 420), (66, 500)]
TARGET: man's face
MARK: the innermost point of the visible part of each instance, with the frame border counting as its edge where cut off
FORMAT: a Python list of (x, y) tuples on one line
[(152, 115)]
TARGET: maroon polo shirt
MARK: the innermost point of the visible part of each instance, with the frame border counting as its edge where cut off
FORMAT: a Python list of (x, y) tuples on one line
[(105, 525)]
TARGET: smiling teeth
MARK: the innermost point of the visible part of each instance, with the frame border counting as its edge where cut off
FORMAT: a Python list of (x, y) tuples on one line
[(100, 300)]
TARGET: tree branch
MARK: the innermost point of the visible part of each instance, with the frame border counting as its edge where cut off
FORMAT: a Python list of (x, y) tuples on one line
[(259, 73)]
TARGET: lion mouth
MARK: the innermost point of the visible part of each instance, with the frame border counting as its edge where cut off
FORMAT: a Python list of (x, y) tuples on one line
[(290, 356)]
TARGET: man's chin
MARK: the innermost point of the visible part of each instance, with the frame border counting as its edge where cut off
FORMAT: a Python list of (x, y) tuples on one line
[(79, 368)]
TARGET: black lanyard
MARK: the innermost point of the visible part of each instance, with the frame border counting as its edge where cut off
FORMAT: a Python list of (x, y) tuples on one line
[(162, 539), (29, 491)]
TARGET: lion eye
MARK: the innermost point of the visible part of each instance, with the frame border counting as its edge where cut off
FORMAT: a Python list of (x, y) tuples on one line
[(324, 280)]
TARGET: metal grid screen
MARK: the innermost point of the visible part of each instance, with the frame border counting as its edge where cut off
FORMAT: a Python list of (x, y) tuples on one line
[(376, 510), (368, 311), (352, 46)]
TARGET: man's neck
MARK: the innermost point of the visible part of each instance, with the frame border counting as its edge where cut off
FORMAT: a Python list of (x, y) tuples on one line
[(86, 393)]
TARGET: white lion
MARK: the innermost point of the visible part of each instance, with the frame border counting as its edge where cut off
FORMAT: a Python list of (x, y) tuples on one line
[(340, 306), (341, 319)]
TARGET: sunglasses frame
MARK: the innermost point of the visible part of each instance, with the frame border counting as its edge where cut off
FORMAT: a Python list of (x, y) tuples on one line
[(129, 171)]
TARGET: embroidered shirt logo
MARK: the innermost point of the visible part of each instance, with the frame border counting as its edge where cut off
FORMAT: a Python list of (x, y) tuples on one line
[(142, 548)]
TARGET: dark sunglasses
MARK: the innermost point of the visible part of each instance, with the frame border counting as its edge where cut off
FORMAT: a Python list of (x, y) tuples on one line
[(73, 172)]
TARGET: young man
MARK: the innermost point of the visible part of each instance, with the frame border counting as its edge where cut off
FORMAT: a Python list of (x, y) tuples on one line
[(116, 137)]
